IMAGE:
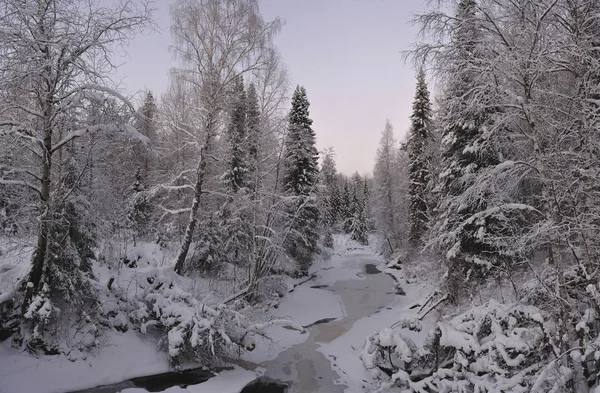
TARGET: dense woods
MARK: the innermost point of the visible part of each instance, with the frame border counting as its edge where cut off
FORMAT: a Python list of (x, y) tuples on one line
[(501, 177), (220, 176)]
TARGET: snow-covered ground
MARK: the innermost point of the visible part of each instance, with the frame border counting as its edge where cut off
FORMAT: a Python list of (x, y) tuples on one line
[(305, 306), (325, 358), (123, 356), (345, 350)]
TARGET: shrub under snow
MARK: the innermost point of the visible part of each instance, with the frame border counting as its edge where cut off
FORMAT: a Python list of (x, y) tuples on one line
[(191, 328), (491, 348)]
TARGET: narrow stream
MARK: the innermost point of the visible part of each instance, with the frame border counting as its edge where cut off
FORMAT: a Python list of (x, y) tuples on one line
[(302, 367)]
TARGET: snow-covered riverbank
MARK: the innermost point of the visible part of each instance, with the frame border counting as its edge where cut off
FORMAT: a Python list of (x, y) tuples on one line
[(340, 306)]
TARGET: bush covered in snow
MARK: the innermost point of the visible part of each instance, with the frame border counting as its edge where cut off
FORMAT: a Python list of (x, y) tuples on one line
[(491, 348), (192, 326)]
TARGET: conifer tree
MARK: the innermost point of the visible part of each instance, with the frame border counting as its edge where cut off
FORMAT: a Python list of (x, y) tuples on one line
[(328, 178), (346, 208), (419, 160), (237, 161), (300, 178), (138, 209), (146, 125), (359, 228), (467, 150), (367, 206), (357, 222), (253, 131)]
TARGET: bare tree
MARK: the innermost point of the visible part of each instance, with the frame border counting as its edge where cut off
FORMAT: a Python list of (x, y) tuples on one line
[(55, 57), (389, 186), (216, 43)]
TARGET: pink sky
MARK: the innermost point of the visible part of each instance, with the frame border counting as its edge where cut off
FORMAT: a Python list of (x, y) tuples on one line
[(345, 52)]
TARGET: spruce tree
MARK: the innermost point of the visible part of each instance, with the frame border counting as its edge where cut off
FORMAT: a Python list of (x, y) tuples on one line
[(237, 161), (367, 206), (146, 119), (300, 179), (252, 135), (336, 204), (419, 160), (467, 151), (138, 208), (357, 222), (328, 179), (359, 228), (146, 124), (346, 208)]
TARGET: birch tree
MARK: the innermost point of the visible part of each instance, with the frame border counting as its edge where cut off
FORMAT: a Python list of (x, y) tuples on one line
[(55, 57), (216, 42)]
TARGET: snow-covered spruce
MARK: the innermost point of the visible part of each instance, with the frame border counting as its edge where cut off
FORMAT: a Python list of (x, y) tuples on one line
[(491, 348)]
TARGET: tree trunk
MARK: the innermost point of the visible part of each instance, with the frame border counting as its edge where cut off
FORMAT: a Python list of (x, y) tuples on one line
[(39, 258), (191, 226)]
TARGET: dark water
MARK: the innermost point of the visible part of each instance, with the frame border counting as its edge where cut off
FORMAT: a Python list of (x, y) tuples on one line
[(320, 321), (371, 269), (158, 382), (265, 385)]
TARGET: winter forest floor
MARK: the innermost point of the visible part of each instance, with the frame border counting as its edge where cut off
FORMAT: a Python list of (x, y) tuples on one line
[(349, 297)]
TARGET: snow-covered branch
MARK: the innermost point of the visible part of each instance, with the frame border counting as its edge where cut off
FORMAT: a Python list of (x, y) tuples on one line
[(22, 183)]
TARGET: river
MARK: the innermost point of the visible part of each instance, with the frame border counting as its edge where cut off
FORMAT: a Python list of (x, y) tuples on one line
[(363, 291), (302, 367)]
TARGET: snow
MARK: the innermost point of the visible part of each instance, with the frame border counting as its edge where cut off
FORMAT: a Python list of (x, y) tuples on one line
[(124, 356), (307, 305), (304, 306), (347, 349)]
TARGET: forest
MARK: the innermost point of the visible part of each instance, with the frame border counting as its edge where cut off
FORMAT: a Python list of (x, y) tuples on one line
[(184, 218)]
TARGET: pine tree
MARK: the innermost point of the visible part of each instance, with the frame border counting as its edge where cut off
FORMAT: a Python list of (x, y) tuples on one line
[(300, 179), (138, 208), (146, 125), (419, 160), (253, 138), (237, 161), (467, 150)]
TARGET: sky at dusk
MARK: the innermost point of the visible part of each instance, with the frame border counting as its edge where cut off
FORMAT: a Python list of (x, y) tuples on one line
[(347, 53)]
